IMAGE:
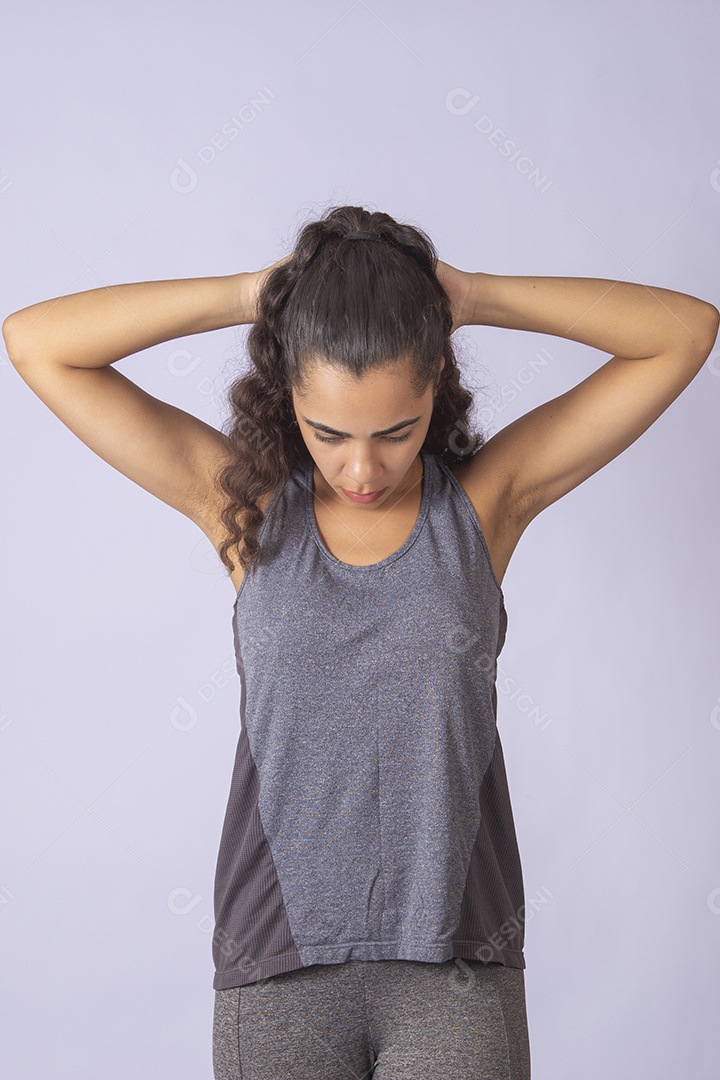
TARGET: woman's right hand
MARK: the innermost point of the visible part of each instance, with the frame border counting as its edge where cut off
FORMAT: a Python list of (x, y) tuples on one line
[(458, 285), (251, 284)]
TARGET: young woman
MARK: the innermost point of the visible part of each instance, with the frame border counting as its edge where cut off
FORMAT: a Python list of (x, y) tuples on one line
[(368, 893)]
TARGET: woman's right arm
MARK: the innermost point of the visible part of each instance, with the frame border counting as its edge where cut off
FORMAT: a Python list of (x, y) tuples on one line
[(64, 349)]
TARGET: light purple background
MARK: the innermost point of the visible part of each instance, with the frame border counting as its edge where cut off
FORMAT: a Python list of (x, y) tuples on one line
[(119, 698)]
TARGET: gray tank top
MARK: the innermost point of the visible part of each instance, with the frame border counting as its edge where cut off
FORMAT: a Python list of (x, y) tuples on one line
[(369, 816)]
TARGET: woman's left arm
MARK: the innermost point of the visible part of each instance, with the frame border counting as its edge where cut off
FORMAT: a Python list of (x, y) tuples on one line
[(660, 340)]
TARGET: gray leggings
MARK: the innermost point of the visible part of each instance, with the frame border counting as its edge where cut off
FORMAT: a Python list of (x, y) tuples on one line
[(387, 1019)]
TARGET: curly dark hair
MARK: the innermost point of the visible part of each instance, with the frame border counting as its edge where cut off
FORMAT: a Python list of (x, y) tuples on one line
[(358, 305)]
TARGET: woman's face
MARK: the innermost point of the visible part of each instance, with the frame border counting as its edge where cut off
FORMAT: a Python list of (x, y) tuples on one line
[(362, 455)]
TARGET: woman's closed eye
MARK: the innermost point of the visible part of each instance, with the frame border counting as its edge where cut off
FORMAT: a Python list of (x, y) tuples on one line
[(388, 438)]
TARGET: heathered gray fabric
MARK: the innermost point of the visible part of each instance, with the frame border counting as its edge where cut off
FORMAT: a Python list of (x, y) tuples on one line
[(369, 816), (387, 1019)]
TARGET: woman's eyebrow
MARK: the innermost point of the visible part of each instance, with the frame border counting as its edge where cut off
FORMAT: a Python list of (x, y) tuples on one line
[(347, 435)]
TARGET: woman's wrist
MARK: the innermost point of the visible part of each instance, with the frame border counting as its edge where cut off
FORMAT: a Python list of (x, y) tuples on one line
[(480, 306), (248, 288), (244, 297)]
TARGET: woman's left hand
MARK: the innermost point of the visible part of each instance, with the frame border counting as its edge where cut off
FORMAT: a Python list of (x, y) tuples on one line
[(458, 285)]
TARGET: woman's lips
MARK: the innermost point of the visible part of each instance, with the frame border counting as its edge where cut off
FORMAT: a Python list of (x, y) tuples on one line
[(370, 497)]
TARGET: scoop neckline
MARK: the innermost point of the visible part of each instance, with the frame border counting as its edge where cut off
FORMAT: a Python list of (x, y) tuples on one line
[(426, 480)]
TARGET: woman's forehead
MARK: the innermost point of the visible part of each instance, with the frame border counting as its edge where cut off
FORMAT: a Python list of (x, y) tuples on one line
[(323, 379)]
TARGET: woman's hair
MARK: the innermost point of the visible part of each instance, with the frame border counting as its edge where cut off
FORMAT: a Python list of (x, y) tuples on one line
[(358, 305)]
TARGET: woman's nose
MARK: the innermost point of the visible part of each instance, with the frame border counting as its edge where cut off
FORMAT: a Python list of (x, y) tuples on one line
[(362, 467)]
